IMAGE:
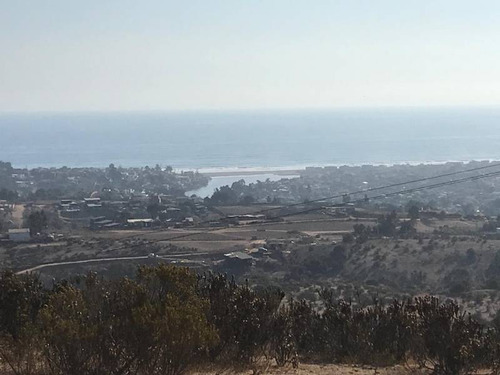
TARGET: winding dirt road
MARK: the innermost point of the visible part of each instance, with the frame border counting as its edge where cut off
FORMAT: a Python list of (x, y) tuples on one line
[(99, 260)]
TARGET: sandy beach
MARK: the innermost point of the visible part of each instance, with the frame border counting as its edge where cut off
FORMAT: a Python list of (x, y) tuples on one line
[(252, 172)]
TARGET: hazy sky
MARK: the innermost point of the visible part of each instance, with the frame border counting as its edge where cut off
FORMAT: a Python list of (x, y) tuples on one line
[(237, 54)]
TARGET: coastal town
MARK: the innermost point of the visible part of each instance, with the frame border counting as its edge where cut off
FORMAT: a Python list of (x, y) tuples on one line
[(132, 198), (68, 221), (249, 187)]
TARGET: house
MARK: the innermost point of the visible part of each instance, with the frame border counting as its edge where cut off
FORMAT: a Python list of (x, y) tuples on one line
[(4, 206), (246, 217), (142, 223), (97, 218), (276, 244), (94, 205), (139, 198), (239, 257), (19, 235), (170, 212), (188, 221), (69, 206), (112, 226), (342, 210), (98, 224), (260, 252), (92, 202)]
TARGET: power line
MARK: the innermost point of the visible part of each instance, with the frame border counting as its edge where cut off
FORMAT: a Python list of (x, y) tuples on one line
[(404, 191), (353, 193), (381, 187), (400, 192)]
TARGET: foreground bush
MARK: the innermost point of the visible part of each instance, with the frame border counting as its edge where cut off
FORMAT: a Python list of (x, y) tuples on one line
[(169, 318), (449, 340), (155, 325), (172, 324), (21, 299), (243, 317)]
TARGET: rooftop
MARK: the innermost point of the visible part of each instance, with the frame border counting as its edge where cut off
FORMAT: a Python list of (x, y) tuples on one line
[(238, 255), (22, 230), (133, 221)]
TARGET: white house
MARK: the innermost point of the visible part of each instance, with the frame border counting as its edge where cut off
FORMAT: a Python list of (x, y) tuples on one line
[(19, 235)]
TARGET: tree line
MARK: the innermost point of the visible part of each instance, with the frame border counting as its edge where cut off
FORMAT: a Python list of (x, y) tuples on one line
[(169, 318)]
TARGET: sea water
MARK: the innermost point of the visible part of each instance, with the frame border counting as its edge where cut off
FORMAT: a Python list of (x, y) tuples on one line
[(218, 140)]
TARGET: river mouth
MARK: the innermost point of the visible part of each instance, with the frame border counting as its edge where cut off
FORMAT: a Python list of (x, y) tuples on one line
[(219, 181)]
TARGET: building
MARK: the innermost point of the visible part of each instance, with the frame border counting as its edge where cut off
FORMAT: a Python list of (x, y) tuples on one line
[(140, 223), (19, 235), (239, 258), (93, 202), (260, 252), (99, 224)]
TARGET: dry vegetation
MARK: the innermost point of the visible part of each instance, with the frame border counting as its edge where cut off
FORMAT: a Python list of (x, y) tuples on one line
[(311, 369), (171, 321)]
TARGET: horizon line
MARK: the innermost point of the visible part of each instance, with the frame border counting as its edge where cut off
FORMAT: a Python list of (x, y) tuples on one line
[(253, 110)]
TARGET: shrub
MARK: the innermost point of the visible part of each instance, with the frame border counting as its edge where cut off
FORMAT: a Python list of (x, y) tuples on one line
[(450, 341), (243, 317), (156, 325), (169, 318), (21, 298), (172, 324)]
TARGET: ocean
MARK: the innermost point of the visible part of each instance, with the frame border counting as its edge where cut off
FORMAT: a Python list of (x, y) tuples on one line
[(242, 140)]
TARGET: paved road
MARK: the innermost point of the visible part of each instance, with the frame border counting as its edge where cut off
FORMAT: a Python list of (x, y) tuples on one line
[(99, 260)]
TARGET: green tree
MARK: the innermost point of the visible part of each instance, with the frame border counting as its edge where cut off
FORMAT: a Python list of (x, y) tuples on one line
[(114, 173), (243, 317), (224, 195), (448, 340), (173, 324), (8, 195), (21, 299), (387, 224), (407, 228), (413, 212), (69, 332), (37, 222), (153, 210), (154, 326)]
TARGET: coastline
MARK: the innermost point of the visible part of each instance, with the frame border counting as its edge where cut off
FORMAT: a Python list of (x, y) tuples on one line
[(297, 170), (271, 141), (227, 176), (256, 172), (285, 170)]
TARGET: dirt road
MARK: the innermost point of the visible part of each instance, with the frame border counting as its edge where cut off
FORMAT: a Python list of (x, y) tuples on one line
[(17, 215), (100, 260)]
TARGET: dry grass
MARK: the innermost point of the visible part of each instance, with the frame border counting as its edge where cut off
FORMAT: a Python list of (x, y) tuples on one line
[(211, 246), (308, 369), (317, 225), (240, 210)]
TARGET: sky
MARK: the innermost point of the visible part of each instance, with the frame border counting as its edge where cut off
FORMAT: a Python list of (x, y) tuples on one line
[(129, 55)]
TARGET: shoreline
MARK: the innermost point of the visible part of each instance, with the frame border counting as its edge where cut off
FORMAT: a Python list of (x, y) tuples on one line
[(297, 170), (278, 172)]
